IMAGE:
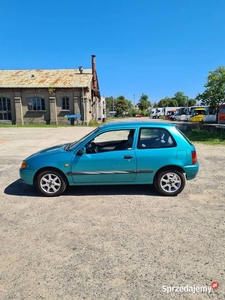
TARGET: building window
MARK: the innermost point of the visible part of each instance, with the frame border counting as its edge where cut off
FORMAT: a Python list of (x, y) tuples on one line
[(35, 103), (65, 103), (5, 109)]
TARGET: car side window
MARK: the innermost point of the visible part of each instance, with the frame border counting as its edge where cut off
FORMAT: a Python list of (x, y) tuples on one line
[(111, 141), (155, 138)]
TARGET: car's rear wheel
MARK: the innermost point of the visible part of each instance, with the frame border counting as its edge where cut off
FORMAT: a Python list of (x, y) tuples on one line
[(169, 182), (50, 183)]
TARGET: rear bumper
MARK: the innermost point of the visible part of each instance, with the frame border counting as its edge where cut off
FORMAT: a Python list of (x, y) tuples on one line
[(191, 171)]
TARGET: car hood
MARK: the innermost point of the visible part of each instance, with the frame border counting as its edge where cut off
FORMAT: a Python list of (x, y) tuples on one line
[(54, 148), (50, 151)]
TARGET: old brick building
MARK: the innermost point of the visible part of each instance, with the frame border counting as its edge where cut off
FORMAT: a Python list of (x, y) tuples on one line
[(48, 96)]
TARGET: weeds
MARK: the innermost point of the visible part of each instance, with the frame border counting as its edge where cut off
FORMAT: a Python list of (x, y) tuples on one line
[(213, 136)]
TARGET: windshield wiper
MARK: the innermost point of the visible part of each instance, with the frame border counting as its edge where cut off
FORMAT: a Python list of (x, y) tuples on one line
[(69, 146)]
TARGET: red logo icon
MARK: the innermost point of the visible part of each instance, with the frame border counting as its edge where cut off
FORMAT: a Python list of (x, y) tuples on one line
[(214, 285)]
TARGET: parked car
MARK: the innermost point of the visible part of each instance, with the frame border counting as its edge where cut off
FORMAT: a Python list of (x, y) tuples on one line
[(116, 153), (138, 116)]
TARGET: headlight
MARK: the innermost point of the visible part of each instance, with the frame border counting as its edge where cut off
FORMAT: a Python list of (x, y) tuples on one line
[(23, 165)]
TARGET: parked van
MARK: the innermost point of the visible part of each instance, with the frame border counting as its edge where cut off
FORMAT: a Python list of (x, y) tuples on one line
[(157, 112), (197, 114)]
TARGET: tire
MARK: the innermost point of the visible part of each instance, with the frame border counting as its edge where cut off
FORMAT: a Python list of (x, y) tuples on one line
[(50, 183), (169, 182)]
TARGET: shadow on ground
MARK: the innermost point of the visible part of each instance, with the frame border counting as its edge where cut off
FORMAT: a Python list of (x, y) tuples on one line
[(18, 188)]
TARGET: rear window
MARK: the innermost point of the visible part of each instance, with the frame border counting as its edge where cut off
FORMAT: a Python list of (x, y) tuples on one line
[(155, 138)]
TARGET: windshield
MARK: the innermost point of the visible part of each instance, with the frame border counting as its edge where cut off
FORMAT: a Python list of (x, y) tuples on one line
[(68, 147), (196, 112)]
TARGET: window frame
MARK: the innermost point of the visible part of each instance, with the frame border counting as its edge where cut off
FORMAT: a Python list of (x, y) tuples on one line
[(35, 104), (161, 146), (66, 104), (6, 109)]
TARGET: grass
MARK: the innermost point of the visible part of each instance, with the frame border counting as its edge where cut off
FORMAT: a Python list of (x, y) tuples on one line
[(212, 136)]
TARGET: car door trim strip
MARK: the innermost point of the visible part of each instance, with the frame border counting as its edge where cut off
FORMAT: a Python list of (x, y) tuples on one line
[(109, 172)]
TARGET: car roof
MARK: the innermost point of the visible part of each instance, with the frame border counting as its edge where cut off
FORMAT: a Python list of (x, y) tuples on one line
[(118, 125)]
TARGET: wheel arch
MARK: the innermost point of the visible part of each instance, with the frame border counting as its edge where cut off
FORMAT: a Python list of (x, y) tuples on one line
[(51, 169), (169, 167)]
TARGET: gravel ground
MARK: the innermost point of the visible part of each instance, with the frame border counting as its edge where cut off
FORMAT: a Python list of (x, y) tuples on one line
[(123, 242)]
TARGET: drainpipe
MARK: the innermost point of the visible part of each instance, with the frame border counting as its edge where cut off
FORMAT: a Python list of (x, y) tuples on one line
[(82, 96)]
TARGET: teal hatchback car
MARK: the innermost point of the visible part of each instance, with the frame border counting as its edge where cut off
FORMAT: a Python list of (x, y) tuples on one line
[(116, 153)]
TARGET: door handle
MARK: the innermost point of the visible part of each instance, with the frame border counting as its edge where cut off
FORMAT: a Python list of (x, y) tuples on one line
[(128, 156)]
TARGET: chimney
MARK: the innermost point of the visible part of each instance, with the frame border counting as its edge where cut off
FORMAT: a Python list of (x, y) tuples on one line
[(94, 72), (93, 64)]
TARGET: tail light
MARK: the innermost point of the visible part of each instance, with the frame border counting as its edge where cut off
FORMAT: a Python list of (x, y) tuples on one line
[(194, 157)]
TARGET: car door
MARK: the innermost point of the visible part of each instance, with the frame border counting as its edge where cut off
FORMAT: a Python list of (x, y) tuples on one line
[(156, 148), (110, 166)]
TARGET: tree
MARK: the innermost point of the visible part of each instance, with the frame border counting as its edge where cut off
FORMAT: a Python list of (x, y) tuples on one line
[(181, 99), (144, 103), (122, 106), (191, 102), (110, 104), (214, 94), (167, 102)]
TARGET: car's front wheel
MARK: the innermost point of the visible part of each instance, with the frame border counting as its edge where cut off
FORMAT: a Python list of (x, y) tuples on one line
[(169, 182), (50, 183)]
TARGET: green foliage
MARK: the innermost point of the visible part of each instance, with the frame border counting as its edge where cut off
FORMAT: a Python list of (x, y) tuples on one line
[(122, 106), (93, 123), (181, 99), (212, 136), (144, 103), (133, 112), (167, 102), (51, 90), (191, 102), (110, 103), (214, 94)]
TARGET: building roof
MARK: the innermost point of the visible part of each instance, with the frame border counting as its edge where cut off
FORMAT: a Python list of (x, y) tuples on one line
[(61, 78)]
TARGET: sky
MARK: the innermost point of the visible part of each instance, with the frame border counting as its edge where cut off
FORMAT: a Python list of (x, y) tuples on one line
[(152, 47)]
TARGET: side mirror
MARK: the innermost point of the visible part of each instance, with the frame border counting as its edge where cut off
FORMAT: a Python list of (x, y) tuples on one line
[(81, 151)]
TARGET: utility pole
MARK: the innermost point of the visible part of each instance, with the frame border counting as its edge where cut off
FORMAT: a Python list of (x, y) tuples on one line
[(113, 107), (134, 100)]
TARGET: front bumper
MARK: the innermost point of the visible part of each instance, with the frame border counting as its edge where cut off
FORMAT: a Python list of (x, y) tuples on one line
[(27, 176)]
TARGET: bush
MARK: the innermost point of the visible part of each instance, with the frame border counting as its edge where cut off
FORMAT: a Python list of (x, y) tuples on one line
[(93, 123)]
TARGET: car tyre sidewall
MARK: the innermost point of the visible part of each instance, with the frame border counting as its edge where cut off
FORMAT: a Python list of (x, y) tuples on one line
[(53, 172), (161, 191)]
